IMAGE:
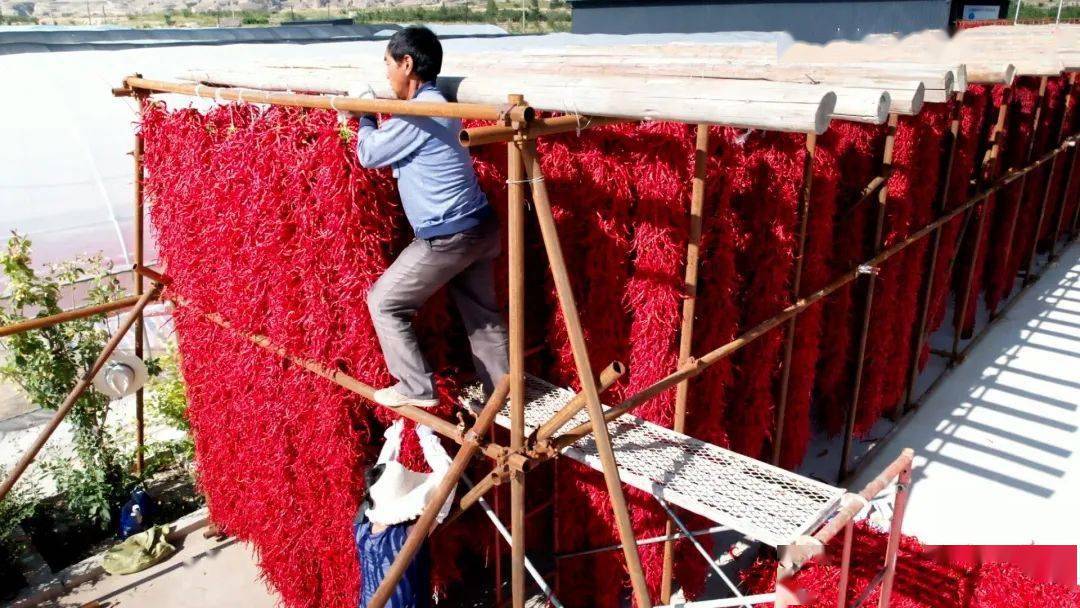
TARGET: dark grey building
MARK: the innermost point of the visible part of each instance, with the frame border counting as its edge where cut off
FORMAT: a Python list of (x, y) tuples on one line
[(805, 20)]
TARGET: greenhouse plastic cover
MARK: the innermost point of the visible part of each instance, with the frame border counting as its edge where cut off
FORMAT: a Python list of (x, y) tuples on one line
[(65, 165)]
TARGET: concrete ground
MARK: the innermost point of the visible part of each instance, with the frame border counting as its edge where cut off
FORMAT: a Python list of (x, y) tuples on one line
[(998, 443), (997, 458), (203, 573)]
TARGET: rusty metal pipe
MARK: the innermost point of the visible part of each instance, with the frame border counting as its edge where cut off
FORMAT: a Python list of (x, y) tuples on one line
[(694, 367), (585, 375), (796, 282), (349, 383), (799, 554), (608, 377), (68, 315), (903, 489), (76, 392), (990, 172), (137, 156), (1059, 223), (928, 287), (331, 102), (494, 134), (516, 261), (1029, 266), (686, 332), (845, 566), (1008, 245), (868, 305), (427, 520)]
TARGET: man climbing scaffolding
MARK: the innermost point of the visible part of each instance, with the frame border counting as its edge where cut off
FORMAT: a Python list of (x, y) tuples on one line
[(457, 234)]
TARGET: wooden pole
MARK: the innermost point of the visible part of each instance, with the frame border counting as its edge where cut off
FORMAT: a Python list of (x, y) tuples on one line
[(585, 374), (935, 247), (68, 315), (989, 173), (686, 333), (427, 520), (137, 155), (76, 392), (796, 282), (1008, 244), (474, 111), (1030, 265), (516, 255), (868, 304)]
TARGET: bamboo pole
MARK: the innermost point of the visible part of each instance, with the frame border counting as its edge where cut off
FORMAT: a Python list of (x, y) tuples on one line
[(989, 173), (137, 156), (928, 286), (868, 304), (425, 524), (67, 315), (328, 102), (585, 375), (697, 365), (1029, 266), (76, 392), (1008, 245), (516, 255), (796, 282), (686, 332)]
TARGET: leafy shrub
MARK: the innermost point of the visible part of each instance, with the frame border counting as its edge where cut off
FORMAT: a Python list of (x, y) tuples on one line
[(48, 362)]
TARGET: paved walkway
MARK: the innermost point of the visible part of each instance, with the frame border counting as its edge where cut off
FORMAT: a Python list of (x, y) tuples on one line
[(997, 444)]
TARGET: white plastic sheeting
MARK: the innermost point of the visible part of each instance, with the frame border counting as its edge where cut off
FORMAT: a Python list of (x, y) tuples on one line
[(65, 168)]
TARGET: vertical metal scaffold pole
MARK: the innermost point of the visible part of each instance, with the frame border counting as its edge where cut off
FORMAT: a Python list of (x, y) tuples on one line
[(516, 255), (137, 154), (1063, 197), (868, 305), (935, 247), (1008, 244), (686, 333), (988, 175), (796, 282), (1029, 266), (584, 370)]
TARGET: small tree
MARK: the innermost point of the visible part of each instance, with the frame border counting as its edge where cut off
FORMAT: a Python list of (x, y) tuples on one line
[(534, 10), (491, 11), (47, 363)]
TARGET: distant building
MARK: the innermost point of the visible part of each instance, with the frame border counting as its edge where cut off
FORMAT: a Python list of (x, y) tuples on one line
[(805, 20)]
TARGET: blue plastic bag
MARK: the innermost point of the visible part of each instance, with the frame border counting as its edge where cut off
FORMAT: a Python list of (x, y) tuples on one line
[(136, 512)]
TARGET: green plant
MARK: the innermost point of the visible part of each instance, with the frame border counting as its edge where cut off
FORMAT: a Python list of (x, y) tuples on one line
[(491, 11), (46, 364), (168, 403), (19, 505)]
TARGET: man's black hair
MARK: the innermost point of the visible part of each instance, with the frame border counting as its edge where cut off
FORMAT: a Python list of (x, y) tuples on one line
[(422, 45), (371, 475)]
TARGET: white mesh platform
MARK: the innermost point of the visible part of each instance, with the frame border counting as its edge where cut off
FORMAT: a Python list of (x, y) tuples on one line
[(761, 501)]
